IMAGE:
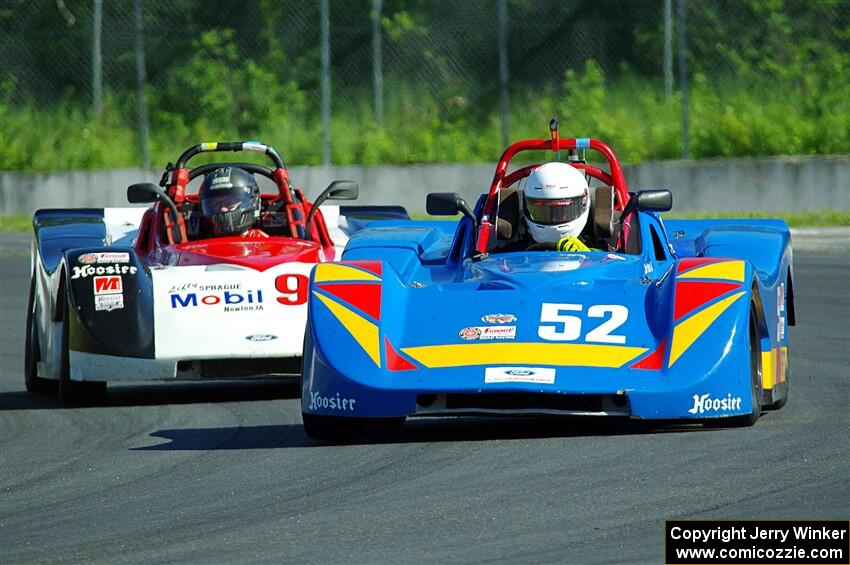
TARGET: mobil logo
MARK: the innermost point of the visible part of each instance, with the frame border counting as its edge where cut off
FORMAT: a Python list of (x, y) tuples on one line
[(108, 285), (226, 298)]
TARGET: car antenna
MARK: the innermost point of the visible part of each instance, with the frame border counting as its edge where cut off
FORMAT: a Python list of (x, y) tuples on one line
[(553, 133)]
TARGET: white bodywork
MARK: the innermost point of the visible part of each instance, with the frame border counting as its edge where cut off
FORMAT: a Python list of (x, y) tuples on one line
[(204, 312)]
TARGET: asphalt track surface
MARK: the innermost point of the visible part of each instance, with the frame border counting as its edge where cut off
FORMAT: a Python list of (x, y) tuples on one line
[(224, 473)]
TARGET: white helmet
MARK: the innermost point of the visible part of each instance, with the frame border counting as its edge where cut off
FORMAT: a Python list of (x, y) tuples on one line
[(557, 202)]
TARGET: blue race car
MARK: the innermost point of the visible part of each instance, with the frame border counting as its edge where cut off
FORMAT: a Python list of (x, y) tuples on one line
[(683, 320)]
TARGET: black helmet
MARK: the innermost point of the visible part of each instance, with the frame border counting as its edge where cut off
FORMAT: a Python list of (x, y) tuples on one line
[(230, 200)]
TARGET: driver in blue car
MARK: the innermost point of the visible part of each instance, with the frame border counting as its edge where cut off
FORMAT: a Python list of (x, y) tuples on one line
[(230, 202), (556, 207)]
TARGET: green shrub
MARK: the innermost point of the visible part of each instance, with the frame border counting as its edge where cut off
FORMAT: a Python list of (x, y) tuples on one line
[(219, 95)]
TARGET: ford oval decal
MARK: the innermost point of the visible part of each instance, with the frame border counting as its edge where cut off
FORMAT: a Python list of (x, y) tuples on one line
[(261, 337)]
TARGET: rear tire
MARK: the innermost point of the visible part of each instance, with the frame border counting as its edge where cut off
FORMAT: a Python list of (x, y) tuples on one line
[(782, 401), (75, 392), (32, 352), (786, 389), (331, 428)]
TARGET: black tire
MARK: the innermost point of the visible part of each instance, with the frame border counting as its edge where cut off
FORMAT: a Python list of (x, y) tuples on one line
[(331, 428), (782, 401), (387, 423), (748, 420), (75, 392), (32, 352)]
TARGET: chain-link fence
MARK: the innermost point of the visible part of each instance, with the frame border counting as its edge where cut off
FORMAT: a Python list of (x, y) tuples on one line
[(454, 71)]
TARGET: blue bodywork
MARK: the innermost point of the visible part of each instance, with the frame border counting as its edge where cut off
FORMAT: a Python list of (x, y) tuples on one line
[(683, 351)]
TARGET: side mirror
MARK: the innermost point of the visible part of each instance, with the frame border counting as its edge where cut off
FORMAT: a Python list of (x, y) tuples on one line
[(340, 190), (447, 204), (443, 203), (654, 200), (143, 193), (337, 190), (146, 192)]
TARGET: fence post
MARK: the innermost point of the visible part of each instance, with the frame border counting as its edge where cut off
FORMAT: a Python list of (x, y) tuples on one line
[(97, 59), (668, 48), (377, 70), (504, 94), (326, 83), (681, 13), (142, 108)]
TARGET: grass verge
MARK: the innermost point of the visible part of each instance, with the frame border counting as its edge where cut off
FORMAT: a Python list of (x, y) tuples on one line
[(804, 219), (15, 223)]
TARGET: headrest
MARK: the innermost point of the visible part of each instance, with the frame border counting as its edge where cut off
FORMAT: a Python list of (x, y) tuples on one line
[(504, 229), (508, 214), (603, 211)]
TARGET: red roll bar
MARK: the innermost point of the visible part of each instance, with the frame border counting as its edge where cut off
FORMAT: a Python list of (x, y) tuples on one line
[(615, 177)]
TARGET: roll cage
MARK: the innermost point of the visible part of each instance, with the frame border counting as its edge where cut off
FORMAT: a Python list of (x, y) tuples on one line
[(176, 177), (502, 179), (161, 226)]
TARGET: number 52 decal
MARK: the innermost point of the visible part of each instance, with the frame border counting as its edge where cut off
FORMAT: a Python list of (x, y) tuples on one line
[(563, 322)]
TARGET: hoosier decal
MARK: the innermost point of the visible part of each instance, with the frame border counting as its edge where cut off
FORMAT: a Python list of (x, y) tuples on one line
[(705, 403), (89, 270), (333, 402)]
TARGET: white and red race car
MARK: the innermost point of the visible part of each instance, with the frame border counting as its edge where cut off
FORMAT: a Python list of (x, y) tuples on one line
[(132, 294)]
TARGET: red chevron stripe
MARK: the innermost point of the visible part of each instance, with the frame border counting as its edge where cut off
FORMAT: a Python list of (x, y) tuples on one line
[(366, 297), (691, 262), (655, 360), (371, 266), (690, 295), (396, 362)]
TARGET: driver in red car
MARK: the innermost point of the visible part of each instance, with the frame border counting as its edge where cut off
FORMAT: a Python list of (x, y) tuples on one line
[(230, 202), (556, 207)]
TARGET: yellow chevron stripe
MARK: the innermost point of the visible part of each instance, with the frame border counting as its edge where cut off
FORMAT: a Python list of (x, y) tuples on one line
[(774, 364), (564, 354), (768, 371), (338, 273), (361, 329), (727, 270), (687, 332)]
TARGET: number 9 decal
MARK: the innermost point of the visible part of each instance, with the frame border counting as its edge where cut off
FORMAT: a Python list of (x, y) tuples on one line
[(293, 287)]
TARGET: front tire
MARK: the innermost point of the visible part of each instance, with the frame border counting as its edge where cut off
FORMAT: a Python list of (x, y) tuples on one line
[(331, 428), (75, 392), (32, 352), (748, 420)]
